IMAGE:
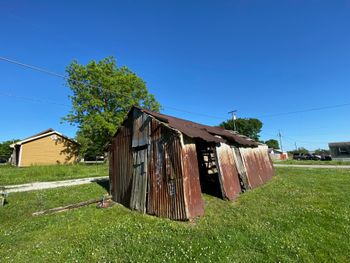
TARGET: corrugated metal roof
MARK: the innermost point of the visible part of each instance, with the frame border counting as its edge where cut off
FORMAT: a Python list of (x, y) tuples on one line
[(204, 132)]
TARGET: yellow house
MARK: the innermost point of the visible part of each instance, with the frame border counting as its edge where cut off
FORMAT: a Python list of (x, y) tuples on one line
[(44, 148)]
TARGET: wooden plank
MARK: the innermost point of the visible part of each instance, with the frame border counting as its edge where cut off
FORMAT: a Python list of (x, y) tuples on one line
[(141, 129), (69, 207), (241, 168)]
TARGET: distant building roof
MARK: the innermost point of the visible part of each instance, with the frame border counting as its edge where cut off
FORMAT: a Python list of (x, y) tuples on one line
[(337, 144), (39, 135)]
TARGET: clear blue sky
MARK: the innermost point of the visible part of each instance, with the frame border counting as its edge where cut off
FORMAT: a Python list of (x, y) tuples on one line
[(209, 57)]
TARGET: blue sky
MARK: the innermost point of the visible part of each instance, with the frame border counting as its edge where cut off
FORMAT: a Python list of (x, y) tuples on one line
[(208, 57)]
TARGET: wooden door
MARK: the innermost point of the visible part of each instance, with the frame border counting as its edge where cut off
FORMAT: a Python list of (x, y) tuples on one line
[(139, 180)]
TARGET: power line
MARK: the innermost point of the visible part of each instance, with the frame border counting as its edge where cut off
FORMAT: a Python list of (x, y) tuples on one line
[(306, 110), (309, 142), (33, 99), (66, 105), (32, 67), (47, 72), (43, 70), (190, 112)]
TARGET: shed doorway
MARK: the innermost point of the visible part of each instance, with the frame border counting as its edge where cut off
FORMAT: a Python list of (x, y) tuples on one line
[(208, 169)]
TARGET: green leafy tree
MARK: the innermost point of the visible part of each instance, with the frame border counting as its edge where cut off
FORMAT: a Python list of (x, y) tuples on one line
[(322, 152), (299, 150), (5, 150), (102, 95), (272, 143), (249, 127)]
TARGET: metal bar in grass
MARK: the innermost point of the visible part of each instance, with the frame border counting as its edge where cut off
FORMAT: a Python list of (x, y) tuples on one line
[(71, 206)]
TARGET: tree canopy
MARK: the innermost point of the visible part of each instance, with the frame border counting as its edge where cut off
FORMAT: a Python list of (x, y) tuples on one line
[(272, 143), (102, 94), (299, 150), (322, 152), (249, 127), (5, 150)]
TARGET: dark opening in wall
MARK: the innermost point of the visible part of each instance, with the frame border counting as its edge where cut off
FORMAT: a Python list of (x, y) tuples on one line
[(208, 170)]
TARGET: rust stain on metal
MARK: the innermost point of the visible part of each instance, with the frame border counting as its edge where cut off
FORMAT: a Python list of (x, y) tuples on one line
[(228, 174), (200, 131), (121, 174), (192, 188), (161, 164), (165, 196), (258, 164)]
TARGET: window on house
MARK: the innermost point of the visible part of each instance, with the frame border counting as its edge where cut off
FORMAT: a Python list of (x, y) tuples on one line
[(343, 150)]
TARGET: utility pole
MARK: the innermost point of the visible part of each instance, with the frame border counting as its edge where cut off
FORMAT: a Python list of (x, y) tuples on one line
[(280, 136), (234, 118), (296, 148)]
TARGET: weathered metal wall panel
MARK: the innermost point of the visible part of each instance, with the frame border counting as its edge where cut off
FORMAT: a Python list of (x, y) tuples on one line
[(192, 188), (154, 168), (166, 193), (140, 149), (228, 174), (242, 172), (139, 180), (258, 165), (264, 158), (141, 126), (121, 165), (253, 174)]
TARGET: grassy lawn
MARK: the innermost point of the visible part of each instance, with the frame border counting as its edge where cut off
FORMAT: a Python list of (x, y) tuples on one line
[(14, 175), (301, 215), (311, 162)]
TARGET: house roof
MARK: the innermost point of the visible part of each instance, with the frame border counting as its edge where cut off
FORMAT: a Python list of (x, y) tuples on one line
[(42, 134), (204, 132), (338, 144)]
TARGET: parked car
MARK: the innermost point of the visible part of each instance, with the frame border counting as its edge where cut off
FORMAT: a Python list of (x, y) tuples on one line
[(302, 156), (306, 156), (326, 157), (316, 157), (297, 156)]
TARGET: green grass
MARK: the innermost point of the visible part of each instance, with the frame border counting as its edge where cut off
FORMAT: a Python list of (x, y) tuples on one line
[(302, 215), (311, 162), (10, 175)]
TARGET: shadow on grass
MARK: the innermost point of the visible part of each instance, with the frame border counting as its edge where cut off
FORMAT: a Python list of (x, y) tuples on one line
[(103, 183)]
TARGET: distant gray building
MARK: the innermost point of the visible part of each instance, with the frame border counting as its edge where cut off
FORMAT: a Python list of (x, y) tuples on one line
[(340, 150)]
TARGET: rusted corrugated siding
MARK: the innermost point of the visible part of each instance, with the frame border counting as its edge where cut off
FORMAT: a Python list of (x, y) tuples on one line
[(266, 163), (140, 148), (154, 166), (258, 165), (253, 173), (192, 189), (228, 175), (121, 165), (165, 195)]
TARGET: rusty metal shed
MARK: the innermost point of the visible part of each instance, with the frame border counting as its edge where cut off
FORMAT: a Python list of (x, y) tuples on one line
[(160, 165)]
